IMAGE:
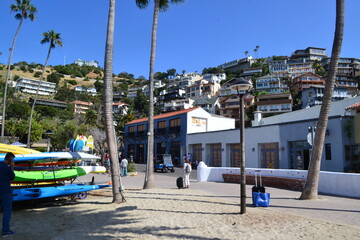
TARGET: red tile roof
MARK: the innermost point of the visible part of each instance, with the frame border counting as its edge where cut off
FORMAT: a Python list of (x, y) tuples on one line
[(120, 103), (82, 102), (164, 115), (356, 105)]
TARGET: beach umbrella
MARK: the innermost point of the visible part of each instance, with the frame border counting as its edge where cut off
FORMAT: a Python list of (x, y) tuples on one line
[(90, 142), (79, 144), (71, 145)]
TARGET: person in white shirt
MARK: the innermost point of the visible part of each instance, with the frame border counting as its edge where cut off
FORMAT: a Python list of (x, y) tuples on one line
[(187, 170), (123, 165)]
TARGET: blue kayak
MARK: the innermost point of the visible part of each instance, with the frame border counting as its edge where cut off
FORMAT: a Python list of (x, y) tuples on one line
[(48, 192)]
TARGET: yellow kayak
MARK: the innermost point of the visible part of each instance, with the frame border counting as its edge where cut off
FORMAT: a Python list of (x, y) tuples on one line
[(5, 148)]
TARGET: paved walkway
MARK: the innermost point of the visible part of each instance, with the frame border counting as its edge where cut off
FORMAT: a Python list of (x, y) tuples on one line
[(328, 208)]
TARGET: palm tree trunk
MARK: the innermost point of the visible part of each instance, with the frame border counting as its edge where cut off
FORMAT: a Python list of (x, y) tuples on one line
[(312, 182), (7, 81), (36, 95), (149, 175), (118, 196)]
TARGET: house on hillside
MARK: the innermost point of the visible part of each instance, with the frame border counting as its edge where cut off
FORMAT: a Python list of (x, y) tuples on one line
[(49, 103), (87, 63), (313, 95), (80, 107), (271, 85), (271, 104), (29, 85), (170, 132), (211, 105)]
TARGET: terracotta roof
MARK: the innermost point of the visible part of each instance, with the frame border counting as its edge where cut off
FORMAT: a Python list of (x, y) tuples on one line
[(120, 103), (164, 115), (82, 102), (356, 105)]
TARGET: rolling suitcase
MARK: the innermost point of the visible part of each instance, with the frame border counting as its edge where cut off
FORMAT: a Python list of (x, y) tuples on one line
[(258, 185), (259, 196), (179, 182)]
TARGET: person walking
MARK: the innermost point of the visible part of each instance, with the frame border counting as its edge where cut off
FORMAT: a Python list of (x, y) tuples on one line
[(6, 194), (123, 164), (187, 170)]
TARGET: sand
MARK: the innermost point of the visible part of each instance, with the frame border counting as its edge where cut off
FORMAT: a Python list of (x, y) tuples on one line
[(166, 214)]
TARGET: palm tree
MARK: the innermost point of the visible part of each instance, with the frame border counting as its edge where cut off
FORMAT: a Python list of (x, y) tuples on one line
[(310, 190), (246, 53), (161, 5), (256, 50), (54, 40), (117, 190), (24, 10)]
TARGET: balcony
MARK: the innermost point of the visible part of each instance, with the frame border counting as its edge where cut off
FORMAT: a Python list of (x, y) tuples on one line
[(174, 129), (159, 131), (130, 134), (141, 133)]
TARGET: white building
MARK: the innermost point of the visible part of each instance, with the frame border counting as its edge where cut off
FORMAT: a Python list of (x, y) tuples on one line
[(91, 91), (28, 85), (87, 63), (189, 79), (218, 77), (178, 104)]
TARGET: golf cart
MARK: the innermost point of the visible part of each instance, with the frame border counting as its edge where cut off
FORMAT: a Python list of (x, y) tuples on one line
[(164, 163)]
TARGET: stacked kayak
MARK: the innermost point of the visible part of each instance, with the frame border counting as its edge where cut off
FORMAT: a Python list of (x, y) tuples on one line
[(43, 175), (50, 192), (49, 175)]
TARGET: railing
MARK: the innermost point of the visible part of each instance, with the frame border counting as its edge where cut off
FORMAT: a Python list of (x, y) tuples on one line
[(174, 129), (160, 130)]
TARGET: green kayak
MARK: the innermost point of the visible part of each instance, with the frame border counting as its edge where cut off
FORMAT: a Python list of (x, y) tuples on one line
[(48, 175)]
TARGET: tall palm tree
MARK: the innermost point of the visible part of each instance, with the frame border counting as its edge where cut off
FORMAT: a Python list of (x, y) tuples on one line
[(246, 53), (312, 181), (24, 10), (256, 51), (160, 5), (117, 190), (54, 40)]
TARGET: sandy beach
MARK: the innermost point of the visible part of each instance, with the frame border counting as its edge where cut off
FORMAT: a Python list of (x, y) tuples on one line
[(166, 214)]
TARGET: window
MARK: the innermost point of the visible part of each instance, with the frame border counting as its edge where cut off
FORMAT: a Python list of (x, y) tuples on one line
[(162, 124), (175, 122), (140, 127), (132, 129), (328, 151)]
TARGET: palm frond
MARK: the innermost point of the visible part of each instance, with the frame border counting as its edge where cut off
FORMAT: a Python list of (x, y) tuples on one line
[(142, 3)]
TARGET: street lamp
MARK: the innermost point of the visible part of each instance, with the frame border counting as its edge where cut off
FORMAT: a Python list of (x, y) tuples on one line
[(48, 133), (241, 85)]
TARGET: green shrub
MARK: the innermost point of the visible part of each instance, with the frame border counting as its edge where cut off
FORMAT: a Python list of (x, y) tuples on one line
[(37, 74), (72, 82), (16, 77), (131, 167)]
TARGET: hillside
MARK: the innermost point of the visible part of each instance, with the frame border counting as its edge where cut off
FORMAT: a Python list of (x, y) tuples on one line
[(92, 75)]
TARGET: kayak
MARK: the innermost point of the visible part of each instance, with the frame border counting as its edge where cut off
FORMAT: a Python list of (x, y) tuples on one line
[(48, 192), (94, 169), (5, 148), (49, 175), (50, 158)]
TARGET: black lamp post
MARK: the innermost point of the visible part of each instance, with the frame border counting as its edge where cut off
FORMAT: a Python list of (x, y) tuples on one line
[(241, 85), (48, 133)]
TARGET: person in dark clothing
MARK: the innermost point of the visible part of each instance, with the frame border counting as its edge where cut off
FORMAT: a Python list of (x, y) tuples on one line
[(6, 194)]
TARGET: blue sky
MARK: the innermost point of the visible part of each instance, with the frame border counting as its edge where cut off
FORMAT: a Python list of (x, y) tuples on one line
[(191, 36)]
